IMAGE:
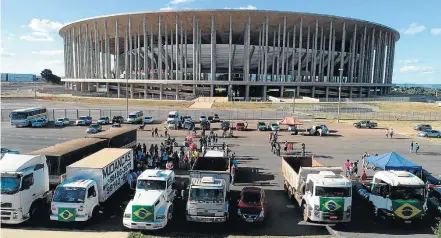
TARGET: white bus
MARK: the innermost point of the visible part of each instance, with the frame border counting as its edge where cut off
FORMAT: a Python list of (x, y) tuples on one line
[(25, 117)]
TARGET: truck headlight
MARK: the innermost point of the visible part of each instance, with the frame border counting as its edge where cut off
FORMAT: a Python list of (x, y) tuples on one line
[(349, 209), (238, 212), (192, 211), (14, 215), (262, 214), (80, 209), (127, 215), (160, 217), (53, 209)]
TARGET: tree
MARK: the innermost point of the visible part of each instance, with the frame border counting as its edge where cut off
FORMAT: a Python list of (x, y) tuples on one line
[(49, 76)]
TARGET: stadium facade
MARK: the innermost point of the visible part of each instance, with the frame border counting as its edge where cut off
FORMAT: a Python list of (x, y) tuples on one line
[(242, 54)]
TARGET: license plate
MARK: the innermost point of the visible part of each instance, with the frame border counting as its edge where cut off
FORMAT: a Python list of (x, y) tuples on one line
[(407, 222), (249, 220), (333, 217)]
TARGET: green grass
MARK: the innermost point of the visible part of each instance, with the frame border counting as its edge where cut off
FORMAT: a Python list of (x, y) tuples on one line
[(406, 107)]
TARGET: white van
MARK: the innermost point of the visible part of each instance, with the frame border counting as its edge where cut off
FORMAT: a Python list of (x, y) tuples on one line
[(173, 116), (135, 117)]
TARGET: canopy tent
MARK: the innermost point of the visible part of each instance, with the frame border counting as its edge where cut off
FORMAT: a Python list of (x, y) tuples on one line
[(290, 121), (392, 161)]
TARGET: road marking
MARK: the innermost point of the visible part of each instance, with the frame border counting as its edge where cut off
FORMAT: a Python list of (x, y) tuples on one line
[(332, 231)]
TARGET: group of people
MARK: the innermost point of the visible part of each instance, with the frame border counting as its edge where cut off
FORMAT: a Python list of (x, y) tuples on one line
[(351, 169), (414, 146), (390, 133)]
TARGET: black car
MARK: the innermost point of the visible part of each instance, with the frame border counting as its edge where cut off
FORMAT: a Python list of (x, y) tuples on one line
[(189, 125), (225, 125), (214, 118), (117, 119), (205, 125)]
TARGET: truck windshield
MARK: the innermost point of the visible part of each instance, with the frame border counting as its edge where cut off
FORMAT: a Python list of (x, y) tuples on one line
[(18, 115), (407, 193), (150, 185), (132, 116), (206, 195), (333, 191), (9, 185), (69, 194)]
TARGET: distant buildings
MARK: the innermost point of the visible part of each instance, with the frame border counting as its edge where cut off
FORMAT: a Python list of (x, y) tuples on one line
[(11, 77)]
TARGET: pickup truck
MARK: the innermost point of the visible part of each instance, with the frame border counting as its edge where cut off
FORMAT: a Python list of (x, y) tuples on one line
[(89, 183), (323, 194), (208, 199), (365, 124)]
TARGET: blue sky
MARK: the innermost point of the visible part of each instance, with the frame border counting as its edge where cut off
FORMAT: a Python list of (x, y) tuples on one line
[(30, 40)]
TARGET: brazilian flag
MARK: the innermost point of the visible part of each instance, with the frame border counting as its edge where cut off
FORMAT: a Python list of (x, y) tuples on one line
[(143, 213), (407, 209), (332, 204), (66, 214)]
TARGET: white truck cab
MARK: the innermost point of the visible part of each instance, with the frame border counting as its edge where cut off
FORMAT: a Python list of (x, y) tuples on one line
[(327, 197), (24, 187), (207, 200), (152, 206), (398, 195)]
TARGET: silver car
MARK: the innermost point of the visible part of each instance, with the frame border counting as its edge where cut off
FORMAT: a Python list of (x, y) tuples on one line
[(94, 128), (430, 133)]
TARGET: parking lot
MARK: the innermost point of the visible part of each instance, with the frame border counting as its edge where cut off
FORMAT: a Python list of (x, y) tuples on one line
[(258, 167)]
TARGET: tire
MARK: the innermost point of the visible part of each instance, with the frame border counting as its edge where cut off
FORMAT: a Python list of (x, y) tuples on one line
[(170, 213), (305, 212)]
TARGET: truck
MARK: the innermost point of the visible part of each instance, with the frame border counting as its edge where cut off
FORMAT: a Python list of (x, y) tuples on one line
[(322, 193), (208, 191), (123, 137), (24, 187), (365, 124), (394, 195), (152, 206), (89, 183), (61, 155)]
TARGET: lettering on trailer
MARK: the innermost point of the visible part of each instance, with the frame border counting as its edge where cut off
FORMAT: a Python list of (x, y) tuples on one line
[(116, 174)]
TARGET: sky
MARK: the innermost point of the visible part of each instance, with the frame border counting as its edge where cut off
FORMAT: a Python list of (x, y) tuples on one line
[(30, 41)]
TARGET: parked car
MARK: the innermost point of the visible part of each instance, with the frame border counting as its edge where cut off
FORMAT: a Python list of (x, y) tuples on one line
[(205, 125), (103, 121), (214, 118), (147, 120), (293, 129), (115, 125), (84, 121), (252, 205), (240, 126), (203, 118), (117, 119), (365, 124), (318, 130), (261, 126), (430, 133), (6, 150), (187, 118), (62, 122), (422, 127), (274, 127), (39, 123), (188, 125), (94, 128), (173, 125), (225, 125)]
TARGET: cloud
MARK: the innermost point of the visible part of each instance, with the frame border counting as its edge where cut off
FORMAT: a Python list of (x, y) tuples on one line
[(167, 8), (5, 54), (174, 2), (48, 52), (413, 29), (249, 7), (414, 68), (11, 36), (409, 61), (429, 72), (42, 29), (50, 62), (435, 31)]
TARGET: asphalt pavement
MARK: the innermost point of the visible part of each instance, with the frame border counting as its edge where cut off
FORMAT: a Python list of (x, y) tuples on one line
[(258, 167)]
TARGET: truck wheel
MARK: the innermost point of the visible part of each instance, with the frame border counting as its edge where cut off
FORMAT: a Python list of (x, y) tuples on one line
[(170, 213), (305, 213)]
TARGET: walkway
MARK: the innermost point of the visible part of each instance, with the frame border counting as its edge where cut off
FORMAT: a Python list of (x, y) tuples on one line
[(201, 105)]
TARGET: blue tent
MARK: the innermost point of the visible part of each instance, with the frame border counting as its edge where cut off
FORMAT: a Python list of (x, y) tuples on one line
[(392, 161)]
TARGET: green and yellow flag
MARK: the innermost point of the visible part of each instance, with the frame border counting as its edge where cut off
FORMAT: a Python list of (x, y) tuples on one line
[(66, 214), (143, 213), (407, 209), (332, 204)]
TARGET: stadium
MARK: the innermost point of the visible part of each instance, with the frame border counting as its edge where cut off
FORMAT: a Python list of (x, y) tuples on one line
[(239, 54)]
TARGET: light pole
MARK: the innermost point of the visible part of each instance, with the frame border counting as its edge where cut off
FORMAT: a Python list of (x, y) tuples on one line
[(127, 95), (293, 101), (339, 95)]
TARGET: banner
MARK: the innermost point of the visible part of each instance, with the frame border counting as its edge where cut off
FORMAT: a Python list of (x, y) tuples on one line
[(332, 204)]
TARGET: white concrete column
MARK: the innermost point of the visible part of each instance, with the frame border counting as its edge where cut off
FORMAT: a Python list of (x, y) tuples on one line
[(213, 49), (328, 74), (129, 50), (265, 68), (299, 67), (160, 76), (145, 91), (283, 74), (131, 90), (194, 46), (342, 51), (116, 66), (146, 52)]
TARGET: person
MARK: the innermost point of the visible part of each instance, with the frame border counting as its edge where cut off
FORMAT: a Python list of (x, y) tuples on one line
[(215, 137), (387, 133), (303, 149), (156, 132), (270, 136), (223, 145), (153, 133), (169, 165), (233, 174), (391, 132), (130, 179), (347, 165), (278, 149), (246, 125), (355, 168), (289, 147), (165, 131), (411, 147), (150, 162), (285, 147), (363, 157), (186, 161), (417, 147), (351, 167), (144, 148), (363, 175)]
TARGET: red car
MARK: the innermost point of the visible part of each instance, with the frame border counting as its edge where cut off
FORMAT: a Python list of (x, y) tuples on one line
[(252, 206), (240, 126)]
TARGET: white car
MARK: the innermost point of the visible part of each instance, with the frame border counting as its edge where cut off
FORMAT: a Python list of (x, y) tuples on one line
[(115, 125), (62, 122), (103, 121), (203, 118), (147, 120), (83, 121), (94, 128)]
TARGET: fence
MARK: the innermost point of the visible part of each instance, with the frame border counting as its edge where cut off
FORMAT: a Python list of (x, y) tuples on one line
[(240, 114)]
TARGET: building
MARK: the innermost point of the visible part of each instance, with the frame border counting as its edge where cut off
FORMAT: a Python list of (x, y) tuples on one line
[(8, 77), (245, 54)]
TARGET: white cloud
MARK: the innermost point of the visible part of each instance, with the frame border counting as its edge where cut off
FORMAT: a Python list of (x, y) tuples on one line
[(249, 7), (11, 36), (414, 68), (42, 30), (174, 2), (168, 8), (50, 62), (5, 54), (48, 52), (413, 29), (435, 31), (409, 61), (429, 72)]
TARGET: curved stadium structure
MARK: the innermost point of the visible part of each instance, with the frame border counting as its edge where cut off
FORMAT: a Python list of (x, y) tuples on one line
[(242, 54)]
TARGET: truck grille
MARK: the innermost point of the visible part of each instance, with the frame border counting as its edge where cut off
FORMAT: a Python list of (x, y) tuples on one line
[(5, 213), (208, 214), (6, 205), (251, 210)]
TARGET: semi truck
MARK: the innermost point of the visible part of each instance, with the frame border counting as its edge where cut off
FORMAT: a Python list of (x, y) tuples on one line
[(24, 187), (89, 183), (207, 193), (61, 155), (152, 206), (322, 193), (124, 137), (394, 195)]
